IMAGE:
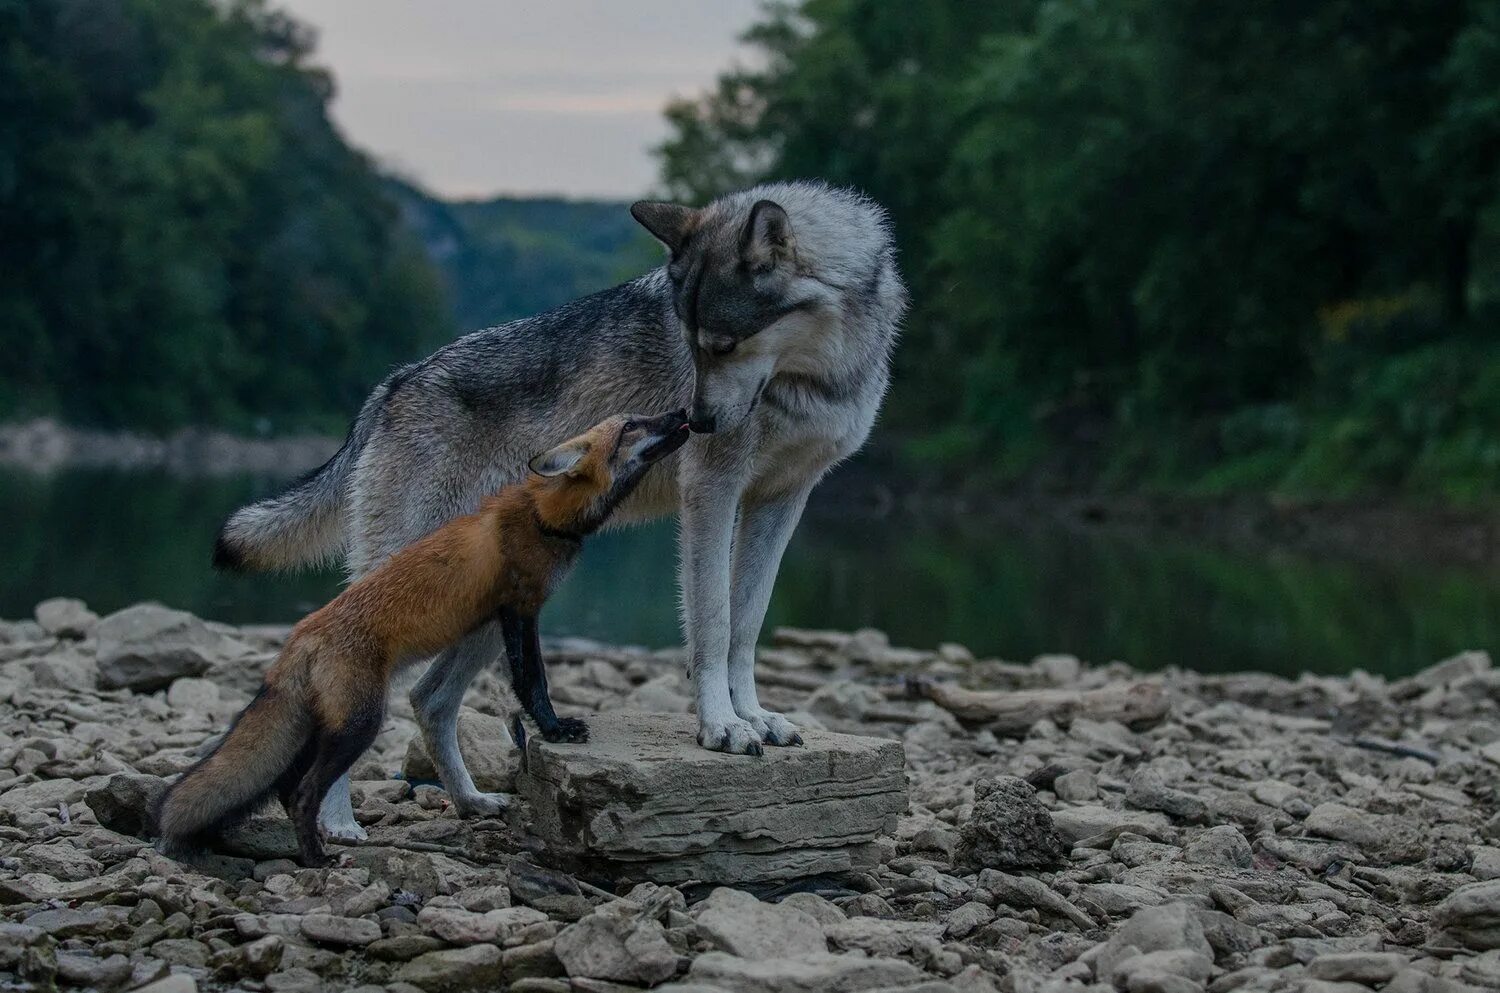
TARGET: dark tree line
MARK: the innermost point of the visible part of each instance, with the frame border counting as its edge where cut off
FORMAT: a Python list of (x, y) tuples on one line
[(1177, 241), (184, 238)]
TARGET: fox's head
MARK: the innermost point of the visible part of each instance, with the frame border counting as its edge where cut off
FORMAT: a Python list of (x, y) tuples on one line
[(578, 484)]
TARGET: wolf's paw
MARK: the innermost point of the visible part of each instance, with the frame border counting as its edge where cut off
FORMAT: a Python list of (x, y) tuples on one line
[(568, 729), (733, 735), (773, 728), (342, 829), (481, 804)]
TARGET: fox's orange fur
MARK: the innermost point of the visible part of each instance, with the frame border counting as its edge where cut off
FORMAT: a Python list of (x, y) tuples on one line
[(324, 697)]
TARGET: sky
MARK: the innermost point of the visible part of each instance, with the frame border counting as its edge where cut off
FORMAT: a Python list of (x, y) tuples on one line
[(476, 98)]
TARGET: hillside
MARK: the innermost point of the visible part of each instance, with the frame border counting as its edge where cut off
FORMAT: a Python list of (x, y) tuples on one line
[(505, 258)]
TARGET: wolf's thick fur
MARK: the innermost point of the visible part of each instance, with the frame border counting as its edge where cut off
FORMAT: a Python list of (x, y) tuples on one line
[(776, 313), (324, 698)]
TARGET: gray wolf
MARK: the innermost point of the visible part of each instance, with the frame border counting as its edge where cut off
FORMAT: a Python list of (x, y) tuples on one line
[(324, 698), (775, 316)]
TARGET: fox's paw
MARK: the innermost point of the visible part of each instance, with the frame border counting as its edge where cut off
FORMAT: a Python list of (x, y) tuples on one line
[(736, 736), (773, 728), (568, 729), (481, 804)]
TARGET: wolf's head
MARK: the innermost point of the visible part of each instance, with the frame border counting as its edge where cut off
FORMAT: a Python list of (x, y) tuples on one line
[(756, 278), (578, 484)]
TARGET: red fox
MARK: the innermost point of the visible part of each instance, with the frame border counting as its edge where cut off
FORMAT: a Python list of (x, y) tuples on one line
[(323, 700)]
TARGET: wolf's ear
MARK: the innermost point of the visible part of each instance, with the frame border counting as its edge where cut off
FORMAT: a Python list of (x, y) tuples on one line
[(767, 239), (563, 458), (669, 223)]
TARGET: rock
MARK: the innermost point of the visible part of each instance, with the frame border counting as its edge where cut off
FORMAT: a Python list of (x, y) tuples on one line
[(125, 803), (1008, 828), (341, 932), (146, 647), (1384, 835), (826, 973), (65, 617), (736, 922), (1367, 968), (93, 971), (1470, 915), (1220, 846), (641, 800), (252, 960), (473, 968), (1076, 786), (1075, 824), (618, 941), (1168, 928), (1155, 970), (486, 747), (1148, 791), (967, 919), (177, 982), (193, 695)]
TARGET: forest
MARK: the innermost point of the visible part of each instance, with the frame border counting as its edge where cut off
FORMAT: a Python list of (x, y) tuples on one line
[(1185, 246)]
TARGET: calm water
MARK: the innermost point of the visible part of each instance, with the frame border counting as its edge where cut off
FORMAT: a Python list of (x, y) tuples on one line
[(113, 538)]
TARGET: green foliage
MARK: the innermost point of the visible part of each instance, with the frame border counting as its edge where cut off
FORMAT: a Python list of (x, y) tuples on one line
[(1211, 243), (186, 237)]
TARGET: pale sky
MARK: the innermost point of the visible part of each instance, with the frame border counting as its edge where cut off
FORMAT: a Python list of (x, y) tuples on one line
[(481, 97)]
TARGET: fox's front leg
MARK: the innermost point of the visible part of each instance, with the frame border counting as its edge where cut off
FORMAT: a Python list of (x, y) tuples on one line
[(760, 540), (528, 678), (708, 513)]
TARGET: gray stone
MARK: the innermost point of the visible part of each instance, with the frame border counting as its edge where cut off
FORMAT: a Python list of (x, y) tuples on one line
[(736, 922), (488, 752), (1221, 846), (65, 617), (125, 802), (1469, 916), (1008, 828), (1076, 786), (823, 911), (146, 647), (826, 973), (1385, 835), (473, 968), (341, 932), (93, 971), (1167, 928), (1148, 791), (618, 941), (1369, 968), (641, 800)]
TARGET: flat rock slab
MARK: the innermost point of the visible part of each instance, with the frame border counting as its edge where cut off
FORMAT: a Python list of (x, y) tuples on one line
[(642, 801)]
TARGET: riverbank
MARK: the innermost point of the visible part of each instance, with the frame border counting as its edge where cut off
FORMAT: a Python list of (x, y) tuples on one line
[(46, 446), (1069, 828)]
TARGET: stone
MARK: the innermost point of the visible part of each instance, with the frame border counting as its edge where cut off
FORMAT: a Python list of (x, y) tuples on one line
[(485, 744), (1076, 786), (1470, 915), (1384, 835), (476, 967), (826, 973), (642, 801), (341, 932), (252, 960), (1367, 968), (1008, 828), (124, 803), (1223, 845), (824, 911), (736, 922), (1148, 791), (619, 941), (65, 617), (968, 918), (177, 982), (146, 647), (93, 971), (194, 695), (1167, 928)]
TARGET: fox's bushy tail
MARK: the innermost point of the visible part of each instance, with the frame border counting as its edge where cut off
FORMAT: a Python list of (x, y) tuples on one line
[(229, 783), (304, 524)]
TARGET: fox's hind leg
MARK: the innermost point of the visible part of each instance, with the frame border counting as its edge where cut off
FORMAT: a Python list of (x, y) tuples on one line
[(334, 752), (528, 677)]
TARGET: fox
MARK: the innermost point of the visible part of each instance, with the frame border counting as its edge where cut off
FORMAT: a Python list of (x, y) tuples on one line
[(323, 700)]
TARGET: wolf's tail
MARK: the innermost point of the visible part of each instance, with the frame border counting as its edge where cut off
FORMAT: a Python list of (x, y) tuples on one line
[(304, 524), (230, 782)]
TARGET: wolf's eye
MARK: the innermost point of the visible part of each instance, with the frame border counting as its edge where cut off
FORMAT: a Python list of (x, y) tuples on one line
[(630, 426), (722, 347)]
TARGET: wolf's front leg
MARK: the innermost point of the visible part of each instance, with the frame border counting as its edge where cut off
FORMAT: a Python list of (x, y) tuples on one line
[(760, 540), (337, 813), (708, 513)]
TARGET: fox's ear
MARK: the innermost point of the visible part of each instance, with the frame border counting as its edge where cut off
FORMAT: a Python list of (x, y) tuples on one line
[(669, 223), (767, 239), (563, 458)]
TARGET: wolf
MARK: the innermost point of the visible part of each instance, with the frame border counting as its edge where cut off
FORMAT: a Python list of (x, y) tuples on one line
[(774, 317), (323, 699)]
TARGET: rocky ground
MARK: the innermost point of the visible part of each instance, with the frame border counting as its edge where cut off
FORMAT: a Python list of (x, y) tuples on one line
[(1085, 829)]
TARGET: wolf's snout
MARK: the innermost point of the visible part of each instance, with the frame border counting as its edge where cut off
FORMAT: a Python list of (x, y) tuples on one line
[(701, 420)]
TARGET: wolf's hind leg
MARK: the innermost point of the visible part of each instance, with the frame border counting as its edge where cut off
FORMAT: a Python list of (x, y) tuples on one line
[(760, 540), (335, 752), (436, 699)]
